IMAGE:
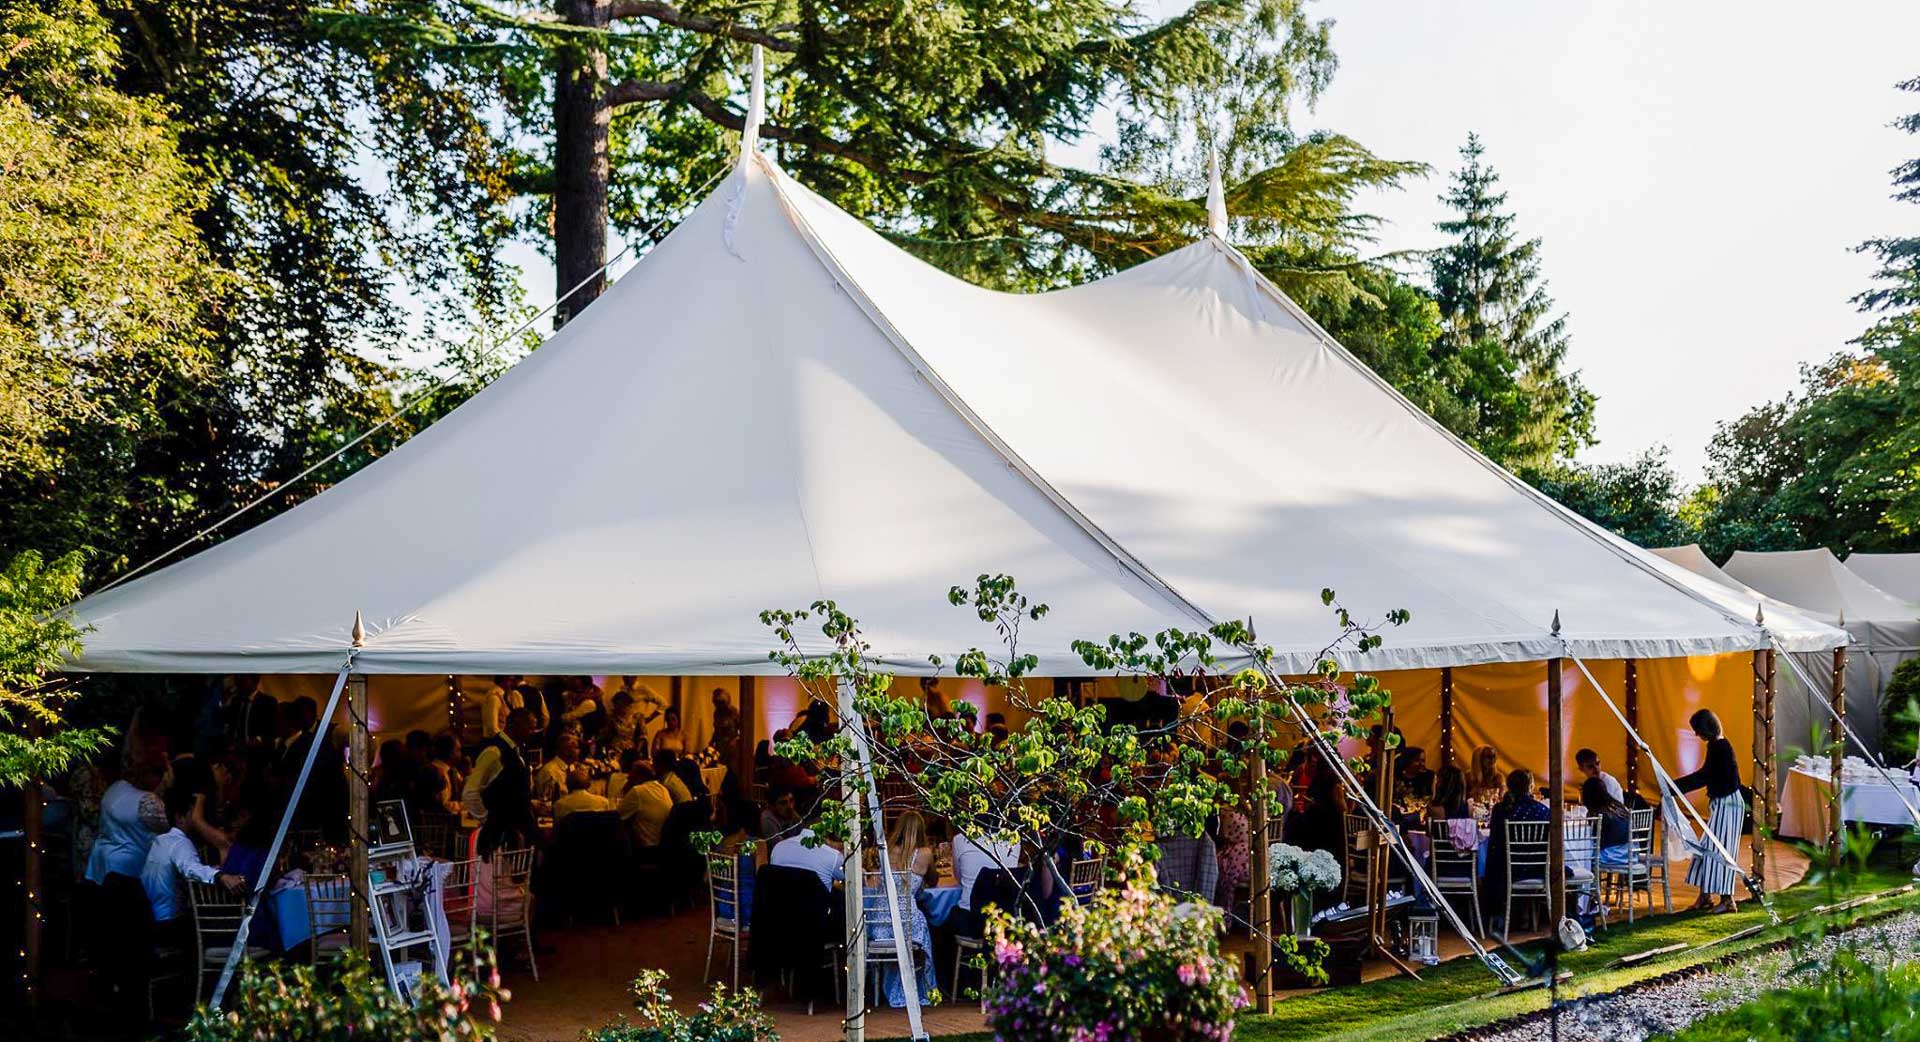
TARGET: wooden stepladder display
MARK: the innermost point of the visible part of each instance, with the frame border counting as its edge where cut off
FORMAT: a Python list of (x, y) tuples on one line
[(1380, 855), (400, 929)]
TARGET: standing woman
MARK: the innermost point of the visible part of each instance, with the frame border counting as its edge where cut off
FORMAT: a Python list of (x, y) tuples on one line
[(1727, 811)]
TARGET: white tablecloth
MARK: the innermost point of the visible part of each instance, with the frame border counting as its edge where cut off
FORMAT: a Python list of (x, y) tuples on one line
[(1805, 799)]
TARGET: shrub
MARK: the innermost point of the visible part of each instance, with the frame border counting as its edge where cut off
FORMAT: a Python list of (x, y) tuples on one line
[(1851, 1000), (295, 1003), (729, 1016), (1133, 964), (1898, 719)]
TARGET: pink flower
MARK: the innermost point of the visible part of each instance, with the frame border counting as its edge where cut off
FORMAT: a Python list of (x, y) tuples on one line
[(1187, 973), (1006, 953)]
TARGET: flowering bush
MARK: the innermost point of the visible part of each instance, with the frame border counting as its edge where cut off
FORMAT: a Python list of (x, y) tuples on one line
[(295, 1003), (729, 1016), (1294, 870), (1132, 965)]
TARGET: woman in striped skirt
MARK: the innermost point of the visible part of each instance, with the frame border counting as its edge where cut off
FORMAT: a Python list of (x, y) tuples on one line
[(1727, 812)]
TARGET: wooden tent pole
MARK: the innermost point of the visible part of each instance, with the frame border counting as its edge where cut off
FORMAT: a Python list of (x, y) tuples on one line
[(1259, 905), (1633, 722), (743, 767), (1557, 800), (1836, 737), (33, 924), (359, 812), (1762, 757), (1446, 716)]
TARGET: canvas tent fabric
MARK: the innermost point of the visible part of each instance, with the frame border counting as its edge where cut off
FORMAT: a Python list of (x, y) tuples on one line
[(1796, 716), (778, 405), (1885, 629), (1897, 574)]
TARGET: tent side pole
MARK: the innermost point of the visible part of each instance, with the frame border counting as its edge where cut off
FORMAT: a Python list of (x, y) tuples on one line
[(1632, 695), (1259, 904), (1837, 757), (1557, 803), (359, 813), (1446, 716), (854, 873), (1762, 757), (749, 727)]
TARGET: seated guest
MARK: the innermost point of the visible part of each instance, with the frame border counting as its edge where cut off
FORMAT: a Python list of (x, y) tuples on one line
[(578, 796), (997, 728), (618, 781), (824, 859), (1413, 779), (645, 805), (664, 763), (171, 859), (670, 738), (688, 773), (781, 816), (1449, 795), (623, 724), (1519, 805), (1589, 763), (1616, 849), (445, 766), (1188, 865), (550, 783), (1485, 779), (971, 857), (1318, 821)]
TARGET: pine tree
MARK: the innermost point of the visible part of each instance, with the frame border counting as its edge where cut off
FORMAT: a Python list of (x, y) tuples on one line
[(1501, 327)]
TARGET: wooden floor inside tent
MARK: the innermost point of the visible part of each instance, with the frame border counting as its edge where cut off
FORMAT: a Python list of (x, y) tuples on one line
[(584, 971)]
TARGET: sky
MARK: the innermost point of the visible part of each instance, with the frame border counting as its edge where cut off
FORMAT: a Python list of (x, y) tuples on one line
[(1698, 175)]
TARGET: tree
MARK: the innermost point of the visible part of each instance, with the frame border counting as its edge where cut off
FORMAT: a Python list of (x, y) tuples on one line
[(1639, 500), (104, 287), (932, 122), (1501, 330), (36, 640), (1394, 327)]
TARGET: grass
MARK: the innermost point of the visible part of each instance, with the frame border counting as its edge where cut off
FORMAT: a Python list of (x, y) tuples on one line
[(1460, 994)]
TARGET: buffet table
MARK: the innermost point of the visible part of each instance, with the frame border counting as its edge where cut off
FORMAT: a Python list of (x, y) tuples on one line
[(1806, 798)]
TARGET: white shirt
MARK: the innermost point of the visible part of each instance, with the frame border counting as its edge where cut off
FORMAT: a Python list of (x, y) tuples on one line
[(970, 859), (551, 783), (171, 859), (580, 799), (1613, 786), (123, 841), (823, 861)]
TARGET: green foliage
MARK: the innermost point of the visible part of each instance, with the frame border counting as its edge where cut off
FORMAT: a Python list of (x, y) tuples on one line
[(1500, 328), (1854, 999), (295, 1002), (36, 638), (1900, 714), (728, 1016), (1128, 965), (1639, 500), (103, 282)]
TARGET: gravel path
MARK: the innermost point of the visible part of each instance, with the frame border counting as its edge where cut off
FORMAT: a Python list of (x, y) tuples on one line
[(1650, 1011)]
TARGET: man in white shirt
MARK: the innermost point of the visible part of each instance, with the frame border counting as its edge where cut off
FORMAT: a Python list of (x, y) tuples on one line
[(492, 760), (825, 860), (502, 698), (551, 781), (645, 805), (578, 796), (1589, 763), (971, 858), (173, 858)]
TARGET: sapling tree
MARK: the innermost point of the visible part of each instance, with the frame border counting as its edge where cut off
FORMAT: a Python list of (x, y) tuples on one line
[(37, 637), (1070, 778)]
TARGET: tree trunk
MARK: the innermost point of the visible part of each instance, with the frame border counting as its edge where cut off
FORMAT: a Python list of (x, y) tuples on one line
[(581, 117)]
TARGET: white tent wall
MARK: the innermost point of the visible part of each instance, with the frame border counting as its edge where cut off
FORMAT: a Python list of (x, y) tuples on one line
[(1897, 574), (1884, 628)]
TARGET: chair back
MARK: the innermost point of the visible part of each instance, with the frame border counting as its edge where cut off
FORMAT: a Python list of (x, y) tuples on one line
[(1527, 851), (329, 903), (1581, 846), (873, 909), (1085, 877), (1450, 864), (457, 896), (1277, 828), (512, 871), (216, 915), (434, 834), (723, 891), (1640, 836), (1354, 830)]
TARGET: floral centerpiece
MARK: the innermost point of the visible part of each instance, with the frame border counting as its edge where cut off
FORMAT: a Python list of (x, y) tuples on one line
[(1132, 964), (1300, 874)]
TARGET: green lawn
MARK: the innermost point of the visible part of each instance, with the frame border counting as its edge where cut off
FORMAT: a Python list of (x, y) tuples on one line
[(1462, 994)]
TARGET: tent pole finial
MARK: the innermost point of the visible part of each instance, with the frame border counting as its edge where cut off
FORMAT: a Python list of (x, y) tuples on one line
[(1216, 198), (359, 631), (756, 105), (1556, 622), (1759, 614)]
